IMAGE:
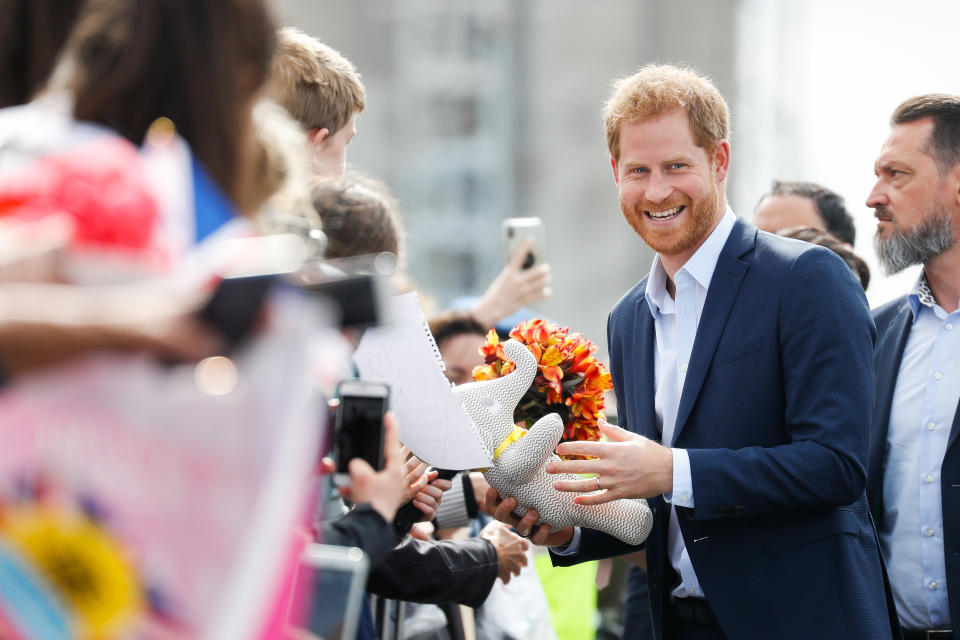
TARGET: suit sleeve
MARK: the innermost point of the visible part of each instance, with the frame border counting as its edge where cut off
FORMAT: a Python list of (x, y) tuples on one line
[(825, 338), (594, 545)]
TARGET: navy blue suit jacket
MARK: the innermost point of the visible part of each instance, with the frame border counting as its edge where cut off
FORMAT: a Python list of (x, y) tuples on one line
[(894, 321), (775, 416)]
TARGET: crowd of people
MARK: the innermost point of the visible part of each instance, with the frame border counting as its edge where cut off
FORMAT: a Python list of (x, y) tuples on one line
[(798, 450)]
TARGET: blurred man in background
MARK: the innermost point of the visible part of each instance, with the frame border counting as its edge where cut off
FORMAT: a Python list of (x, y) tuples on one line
[(804, 204)]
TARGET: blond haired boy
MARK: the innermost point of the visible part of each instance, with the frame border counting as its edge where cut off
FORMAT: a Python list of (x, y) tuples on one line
[(322, 90)]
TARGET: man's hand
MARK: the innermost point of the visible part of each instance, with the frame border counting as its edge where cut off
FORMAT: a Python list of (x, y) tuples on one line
[(511, 549), (513, 289), (628, 466), (543, 535)]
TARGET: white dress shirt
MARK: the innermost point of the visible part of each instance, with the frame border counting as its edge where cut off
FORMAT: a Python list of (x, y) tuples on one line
[(676, 321), (675, 325), (924, 403)]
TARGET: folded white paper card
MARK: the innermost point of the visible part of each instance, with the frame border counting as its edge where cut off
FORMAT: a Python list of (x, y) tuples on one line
[(432, 423)]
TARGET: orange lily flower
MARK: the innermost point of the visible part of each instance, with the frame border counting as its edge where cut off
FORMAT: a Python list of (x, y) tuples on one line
[(569, 380)]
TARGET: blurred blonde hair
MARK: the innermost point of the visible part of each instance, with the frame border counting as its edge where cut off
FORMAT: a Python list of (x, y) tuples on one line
[(318, 86), (659, 89), (279, 188)]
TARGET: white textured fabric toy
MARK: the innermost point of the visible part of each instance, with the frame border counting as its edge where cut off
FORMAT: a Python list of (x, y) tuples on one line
[(519, 456)]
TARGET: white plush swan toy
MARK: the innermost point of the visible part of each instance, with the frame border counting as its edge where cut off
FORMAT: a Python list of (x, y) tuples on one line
[(521, 455)]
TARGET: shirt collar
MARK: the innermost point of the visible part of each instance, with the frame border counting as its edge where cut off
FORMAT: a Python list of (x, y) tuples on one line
[(700, 266), (922, 296)]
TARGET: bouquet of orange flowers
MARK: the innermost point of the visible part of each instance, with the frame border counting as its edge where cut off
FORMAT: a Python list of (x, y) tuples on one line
[(570, 381)]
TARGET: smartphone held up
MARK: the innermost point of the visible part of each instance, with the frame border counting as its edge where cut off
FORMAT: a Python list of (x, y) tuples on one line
[(516, 231), (358, 426)]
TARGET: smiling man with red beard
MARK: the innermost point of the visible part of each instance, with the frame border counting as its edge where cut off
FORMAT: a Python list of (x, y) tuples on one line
[(743, 368), (914, 473), (670, 187)]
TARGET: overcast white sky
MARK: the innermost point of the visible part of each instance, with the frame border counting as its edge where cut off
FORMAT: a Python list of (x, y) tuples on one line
[(818, 82)]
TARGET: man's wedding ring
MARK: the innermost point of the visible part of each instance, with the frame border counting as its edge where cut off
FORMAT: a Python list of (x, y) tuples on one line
[(599, 488)]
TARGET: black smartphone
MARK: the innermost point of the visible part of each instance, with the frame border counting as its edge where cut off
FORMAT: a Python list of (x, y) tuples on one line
[(358, 425), (235, 305)]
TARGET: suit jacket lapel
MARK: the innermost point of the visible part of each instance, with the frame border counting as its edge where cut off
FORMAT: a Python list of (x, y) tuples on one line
[(955, 429), (724, 286), (890, 346), (891, 341), (644, 407)]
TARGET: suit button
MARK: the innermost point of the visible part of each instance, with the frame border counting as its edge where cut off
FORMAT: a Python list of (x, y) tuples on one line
[(933, 585)]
